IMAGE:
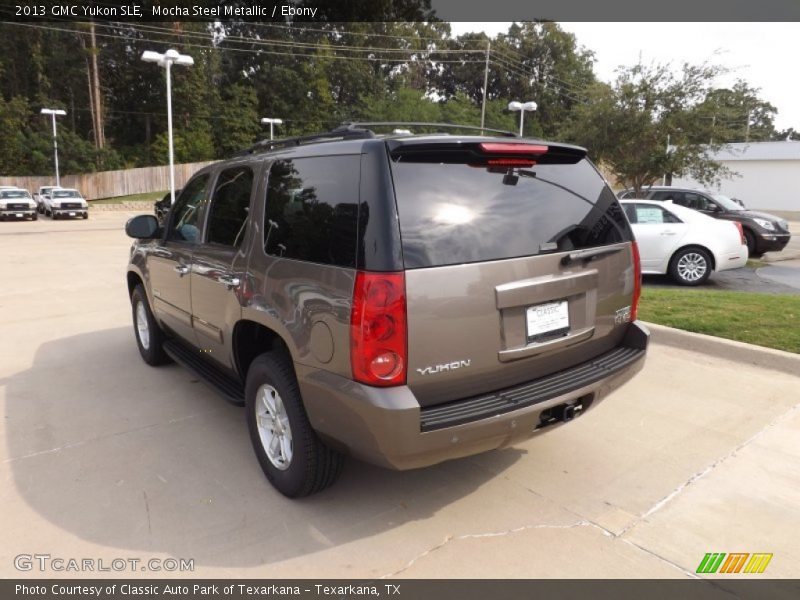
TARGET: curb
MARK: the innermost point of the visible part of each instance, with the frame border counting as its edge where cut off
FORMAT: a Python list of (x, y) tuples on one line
[(767, 358), (135, 205)]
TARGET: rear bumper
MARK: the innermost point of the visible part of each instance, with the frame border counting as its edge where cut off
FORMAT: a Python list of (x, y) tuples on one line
[(387, 427), (733, 260)]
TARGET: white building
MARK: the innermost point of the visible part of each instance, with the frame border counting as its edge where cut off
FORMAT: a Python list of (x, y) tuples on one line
[(769, 174)]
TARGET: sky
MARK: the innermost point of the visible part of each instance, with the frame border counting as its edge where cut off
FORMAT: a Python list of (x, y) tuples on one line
[(763, 54)]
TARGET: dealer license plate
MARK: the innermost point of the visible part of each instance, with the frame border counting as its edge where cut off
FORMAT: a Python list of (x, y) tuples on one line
[(20, 215), (547, 320), (72, 214)]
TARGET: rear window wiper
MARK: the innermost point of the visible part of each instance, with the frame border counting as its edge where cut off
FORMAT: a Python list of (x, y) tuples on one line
[(587, 255)]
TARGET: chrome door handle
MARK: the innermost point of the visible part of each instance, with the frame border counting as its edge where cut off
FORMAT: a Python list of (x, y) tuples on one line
[(669, 232), (229, 282), (181, 269)]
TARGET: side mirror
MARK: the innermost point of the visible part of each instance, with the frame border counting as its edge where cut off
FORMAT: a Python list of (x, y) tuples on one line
[(142, 227)]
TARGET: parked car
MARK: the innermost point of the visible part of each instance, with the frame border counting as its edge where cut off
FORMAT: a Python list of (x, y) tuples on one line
[(39, 196), (63, 203), (405, 299), (684, 243), (764, 232), (162, 206), (16, 204)]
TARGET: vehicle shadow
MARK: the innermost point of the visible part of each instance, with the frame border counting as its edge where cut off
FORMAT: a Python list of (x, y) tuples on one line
[(745, 279), (152, 460)]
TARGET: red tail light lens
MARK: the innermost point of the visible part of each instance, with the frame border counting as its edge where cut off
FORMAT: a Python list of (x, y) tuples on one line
[(637, 280), (741, 233), (378, 329)]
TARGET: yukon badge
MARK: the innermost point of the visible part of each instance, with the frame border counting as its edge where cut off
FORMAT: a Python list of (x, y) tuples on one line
[(452, 366)]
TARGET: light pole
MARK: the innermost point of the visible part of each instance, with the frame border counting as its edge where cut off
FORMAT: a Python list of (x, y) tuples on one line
[(522, 108), (54, 112), (166, 60), (272, 122)]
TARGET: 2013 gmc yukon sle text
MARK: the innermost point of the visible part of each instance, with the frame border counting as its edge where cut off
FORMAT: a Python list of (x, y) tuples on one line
[(404, 299)]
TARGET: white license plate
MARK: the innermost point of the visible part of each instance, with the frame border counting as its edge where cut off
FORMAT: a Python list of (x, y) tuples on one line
[(72, 214), (547, 319), (20, 215)]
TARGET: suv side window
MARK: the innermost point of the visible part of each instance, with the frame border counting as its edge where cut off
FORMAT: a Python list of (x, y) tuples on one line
[(699, 202), (229, 206), (184, 226), (312, 209)]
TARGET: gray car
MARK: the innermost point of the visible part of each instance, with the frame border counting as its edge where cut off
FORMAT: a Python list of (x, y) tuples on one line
[(403, 299)]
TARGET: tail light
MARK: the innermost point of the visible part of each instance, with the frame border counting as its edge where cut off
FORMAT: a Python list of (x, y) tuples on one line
[(378, 354), (637, 280), (741, 232)]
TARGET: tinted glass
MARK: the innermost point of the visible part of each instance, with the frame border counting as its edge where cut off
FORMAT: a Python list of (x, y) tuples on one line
[(15, 194), (66, 194), (455, 213), (184, 226), (229, 206), (312, 209)]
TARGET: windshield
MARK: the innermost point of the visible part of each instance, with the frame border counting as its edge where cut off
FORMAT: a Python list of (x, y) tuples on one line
[(14, 194), (727, 203), (66, 194)]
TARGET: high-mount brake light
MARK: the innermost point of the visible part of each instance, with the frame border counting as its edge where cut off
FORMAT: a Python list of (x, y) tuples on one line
[(501, 148), (378, 353)]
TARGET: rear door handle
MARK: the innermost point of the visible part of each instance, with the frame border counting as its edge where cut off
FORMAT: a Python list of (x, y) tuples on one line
[(669, 232), (181, 269), (229, 282)]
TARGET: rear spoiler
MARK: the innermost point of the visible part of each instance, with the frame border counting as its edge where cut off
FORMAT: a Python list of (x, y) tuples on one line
[(484, 152)]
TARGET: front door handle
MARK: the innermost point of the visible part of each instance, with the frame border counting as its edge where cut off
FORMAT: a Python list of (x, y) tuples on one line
[(229, 282), (181, 269), (669, 232)]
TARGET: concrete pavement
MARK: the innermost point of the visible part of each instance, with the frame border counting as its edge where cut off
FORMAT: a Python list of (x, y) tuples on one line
[(105, 457)]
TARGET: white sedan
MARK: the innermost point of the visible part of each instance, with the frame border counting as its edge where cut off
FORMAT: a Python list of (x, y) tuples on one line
[(682, 242)]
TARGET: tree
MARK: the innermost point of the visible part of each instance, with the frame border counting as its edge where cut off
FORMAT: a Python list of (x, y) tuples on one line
[(735, 114), (628, 125)]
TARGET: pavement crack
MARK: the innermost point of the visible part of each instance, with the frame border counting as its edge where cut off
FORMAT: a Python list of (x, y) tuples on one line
[(702, 473), (147, 510), (107, 436), (472, 536)]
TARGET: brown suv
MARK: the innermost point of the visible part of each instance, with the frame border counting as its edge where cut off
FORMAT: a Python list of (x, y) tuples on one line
[(405, 299)]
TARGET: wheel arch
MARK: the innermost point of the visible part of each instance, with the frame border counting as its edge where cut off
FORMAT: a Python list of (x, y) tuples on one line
[(250, 339)]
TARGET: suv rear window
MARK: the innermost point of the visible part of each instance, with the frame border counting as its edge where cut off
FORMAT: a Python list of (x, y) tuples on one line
[(452, 213)]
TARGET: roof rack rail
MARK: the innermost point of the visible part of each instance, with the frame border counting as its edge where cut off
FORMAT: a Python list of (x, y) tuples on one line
[(364, 125), (358, 130), (340, 133)]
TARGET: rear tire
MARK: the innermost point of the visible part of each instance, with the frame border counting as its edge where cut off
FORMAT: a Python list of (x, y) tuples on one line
[(149, 336), (690, 266), (291, 455)]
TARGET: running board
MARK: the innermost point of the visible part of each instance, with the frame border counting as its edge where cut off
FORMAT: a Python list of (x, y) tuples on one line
[(228, 387)]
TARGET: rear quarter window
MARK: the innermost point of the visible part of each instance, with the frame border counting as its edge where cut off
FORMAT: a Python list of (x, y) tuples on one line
[(452, 213), (312, 209)]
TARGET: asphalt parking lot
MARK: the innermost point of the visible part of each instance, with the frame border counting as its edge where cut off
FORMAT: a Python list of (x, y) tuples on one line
[(104, 457)]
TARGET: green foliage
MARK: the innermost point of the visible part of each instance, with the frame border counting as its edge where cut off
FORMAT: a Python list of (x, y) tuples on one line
[(628, 125)]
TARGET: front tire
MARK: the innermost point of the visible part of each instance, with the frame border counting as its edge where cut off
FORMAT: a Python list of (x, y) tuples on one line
[(291, 455), (149, 336), (690, 266)]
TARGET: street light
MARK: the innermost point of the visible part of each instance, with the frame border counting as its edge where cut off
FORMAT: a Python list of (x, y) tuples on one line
[(55, 112), (272, 122), (522, 108), (166, 60)]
